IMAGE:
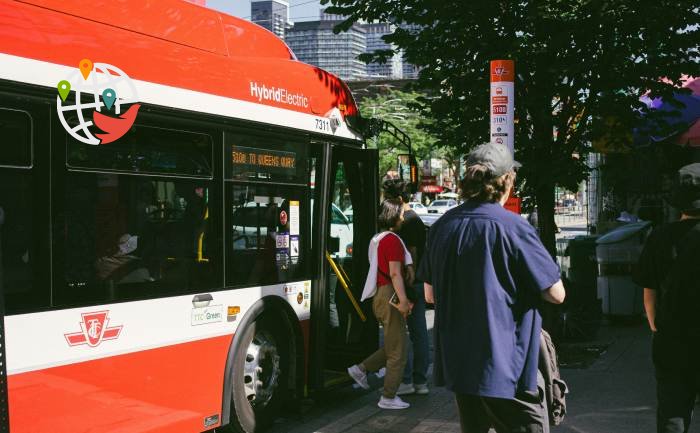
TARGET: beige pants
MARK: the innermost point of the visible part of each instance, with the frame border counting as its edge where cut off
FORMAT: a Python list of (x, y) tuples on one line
[(393, 354)]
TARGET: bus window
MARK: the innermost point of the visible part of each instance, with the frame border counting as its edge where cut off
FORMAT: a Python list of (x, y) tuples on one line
[(16, 133), (146, 149), (22, 122), (15, 202), (16, 255), (128, 237), (268, 238)]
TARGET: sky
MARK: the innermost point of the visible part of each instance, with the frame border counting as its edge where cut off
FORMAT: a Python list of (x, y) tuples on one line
[(299, 10)]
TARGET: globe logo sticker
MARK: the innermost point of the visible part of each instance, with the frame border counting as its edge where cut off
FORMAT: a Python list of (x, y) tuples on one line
[(97, 104)]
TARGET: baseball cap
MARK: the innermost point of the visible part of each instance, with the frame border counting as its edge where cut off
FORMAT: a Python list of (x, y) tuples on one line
[(686, 193), (496, 157)]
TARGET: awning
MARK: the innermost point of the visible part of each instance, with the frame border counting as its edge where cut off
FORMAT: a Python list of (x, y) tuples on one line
[(431, 189), (686, 124)]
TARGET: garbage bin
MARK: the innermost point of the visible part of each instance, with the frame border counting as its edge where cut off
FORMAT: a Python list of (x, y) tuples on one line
[(617, 252), (583, 268)]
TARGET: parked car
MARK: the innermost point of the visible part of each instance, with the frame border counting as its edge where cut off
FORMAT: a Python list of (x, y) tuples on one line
[(342, 228), (348, 213), (441, 206), (418, 207)]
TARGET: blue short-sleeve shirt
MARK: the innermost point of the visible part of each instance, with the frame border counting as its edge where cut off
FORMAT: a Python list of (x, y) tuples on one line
[(487, 267)]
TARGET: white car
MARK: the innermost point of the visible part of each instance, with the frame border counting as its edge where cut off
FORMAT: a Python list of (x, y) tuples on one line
[(418, 207), (441, 206), (341, 228)]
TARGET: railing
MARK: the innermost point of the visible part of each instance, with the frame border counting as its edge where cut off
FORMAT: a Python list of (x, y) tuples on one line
[(568, 215)]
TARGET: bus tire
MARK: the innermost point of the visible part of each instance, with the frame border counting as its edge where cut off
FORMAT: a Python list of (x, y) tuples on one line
[(260, 371)]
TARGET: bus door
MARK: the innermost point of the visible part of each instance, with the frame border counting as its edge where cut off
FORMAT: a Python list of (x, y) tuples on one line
[(351, 330)]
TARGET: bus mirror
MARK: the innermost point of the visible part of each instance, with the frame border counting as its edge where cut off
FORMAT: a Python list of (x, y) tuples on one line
[(333, 245)]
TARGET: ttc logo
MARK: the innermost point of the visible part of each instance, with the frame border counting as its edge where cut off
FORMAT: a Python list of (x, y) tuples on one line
[(95, 330), (500, 70)]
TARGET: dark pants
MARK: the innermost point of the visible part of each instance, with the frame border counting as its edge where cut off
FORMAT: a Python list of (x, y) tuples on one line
[(525, 414), (416, 370), (677, 383)]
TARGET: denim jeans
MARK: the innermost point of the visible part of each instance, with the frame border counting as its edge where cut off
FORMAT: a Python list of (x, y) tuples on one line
[(416, 369)]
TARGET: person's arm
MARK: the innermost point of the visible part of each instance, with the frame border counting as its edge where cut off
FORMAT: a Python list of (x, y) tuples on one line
[(555, 294), (396, 274), (429, 294), (650, 307), (411, 269)]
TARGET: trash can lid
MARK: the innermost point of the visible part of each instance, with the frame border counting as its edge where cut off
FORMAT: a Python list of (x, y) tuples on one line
[(623, 233)]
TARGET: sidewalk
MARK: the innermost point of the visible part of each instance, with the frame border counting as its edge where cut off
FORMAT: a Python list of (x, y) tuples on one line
[(614, 395), (617, 393)]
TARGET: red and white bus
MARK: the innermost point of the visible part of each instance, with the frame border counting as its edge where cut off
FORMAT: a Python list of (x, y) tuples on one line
[(171, 179)]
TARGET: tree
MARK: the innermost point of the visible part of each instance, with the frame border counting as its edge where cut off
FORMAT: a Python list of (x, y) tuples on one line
[(401, 109), (581, 67)]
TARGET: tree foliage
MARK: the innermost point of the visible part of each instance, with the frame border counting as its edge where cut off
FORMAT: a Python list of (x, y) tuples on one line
[(581, 66), (403, 110)]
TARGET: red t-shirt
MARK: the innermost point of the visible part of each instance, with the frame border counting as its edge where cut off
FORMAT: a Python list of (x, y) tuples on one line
[(390, 249)]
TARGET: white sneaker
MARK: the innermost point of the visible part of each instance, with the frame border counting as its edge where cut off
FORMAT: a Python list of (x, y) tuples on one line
[(392, 403), (405, 389), (421, 389), (359, 376)]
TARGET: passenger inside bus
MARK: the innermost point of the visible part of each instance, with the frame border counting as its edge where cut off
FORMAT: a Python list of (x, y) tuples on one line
[(126, 236), (123, 266)]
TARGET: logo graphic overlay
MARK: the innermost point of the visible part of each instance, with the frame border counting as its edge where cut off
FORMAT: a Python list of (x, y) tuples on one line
[(95, 329), (97, 103)]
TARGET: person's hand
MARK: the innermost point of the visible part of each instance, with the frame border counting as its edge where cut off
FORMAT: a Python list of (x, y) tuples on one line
[(429, 295), (404, 307), (410, 275)]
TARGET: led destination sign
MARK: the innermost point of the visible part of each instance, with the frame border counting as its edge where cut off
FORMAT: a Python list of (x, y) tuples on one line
[(262, 163)]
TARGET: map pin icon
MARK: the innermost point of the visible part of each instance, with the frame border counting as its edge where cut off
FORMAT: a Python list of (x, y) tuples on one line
[(85, 67), (109, 96), (63, 89)]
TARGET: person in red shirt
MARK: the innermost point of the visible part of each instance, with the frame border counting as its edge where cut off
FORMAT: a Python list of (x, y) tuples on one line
[(388, 256)]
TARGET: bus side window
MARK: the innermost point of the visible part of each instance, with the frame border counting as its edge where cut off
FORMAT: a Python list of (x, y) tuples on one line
[(134, 236), (18, 211), (268, 188)]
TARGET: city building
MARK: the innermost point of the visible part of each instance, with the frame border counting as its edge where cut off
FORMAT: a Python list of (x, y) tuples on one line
[(393, 68), (271, 14), (315, 43), (410, 71)]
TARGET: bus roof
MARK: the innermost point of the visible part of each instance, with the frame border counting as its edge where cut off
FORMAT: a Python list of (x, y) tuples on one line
[(180, 55)]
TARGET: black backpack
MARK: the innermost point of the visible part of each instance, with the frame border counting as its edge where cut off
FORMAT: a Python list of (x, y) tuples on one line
[(555, 389), (679, 302)]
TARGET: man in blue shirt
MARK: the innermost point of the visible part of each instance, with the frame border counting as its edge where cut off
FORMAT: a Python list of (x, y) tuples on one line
[(487, 272)]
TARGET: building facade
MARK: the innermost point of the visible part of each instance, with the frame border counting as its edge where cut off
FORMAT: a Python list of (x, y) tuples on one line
[(315, 43), (271, 14), (393, 68)]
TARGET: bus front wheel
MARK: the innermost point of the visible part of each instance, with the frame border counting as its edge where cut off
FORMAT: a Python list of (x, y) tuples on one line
[(260, 372)]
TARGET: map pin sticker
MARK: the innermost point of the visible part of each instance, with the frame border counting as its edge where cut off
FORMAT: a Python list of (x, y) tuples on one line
[(85, 67), (63, 89), (109, 96)]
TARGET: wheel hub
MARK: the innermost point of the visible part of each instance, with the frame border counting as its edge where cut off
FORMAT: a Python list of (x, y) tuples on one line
[(261, 371)]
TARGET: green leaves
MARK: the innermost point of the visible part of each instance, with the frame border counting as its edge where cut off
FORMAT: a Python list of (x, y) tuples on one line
[(581, 66)]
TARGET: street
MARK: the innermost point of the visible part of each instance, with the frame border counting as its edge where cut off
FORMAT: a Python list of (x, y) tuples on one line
[(613, 392), (613, 395)]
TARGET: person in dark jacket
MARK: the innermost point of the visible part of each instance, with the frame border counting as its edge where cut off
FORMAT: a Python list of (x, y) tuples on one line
[(668, 269)]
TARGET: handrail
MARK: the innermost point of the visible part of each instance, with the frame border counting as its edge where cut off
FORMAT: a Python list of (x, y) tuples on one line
[(343, 282)]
